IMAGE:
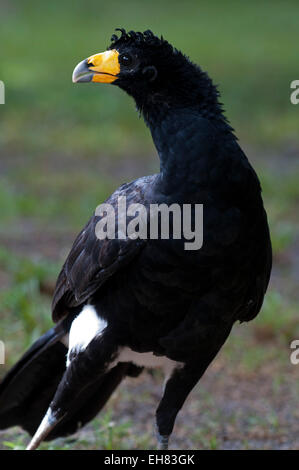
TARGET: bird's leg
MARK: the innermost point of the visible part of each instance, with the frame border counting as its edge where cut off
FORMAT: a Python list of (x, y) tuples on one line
[(177, 388), (182, 381), (163, 442)]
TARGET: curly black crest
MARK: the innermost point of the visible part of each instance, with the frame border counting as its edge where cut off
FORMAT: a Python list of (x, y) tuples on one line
[(146, 38)]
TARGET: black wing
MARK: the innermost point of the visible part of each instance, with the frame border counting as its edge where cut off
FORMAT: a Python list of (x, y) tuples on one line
[(92, 261)]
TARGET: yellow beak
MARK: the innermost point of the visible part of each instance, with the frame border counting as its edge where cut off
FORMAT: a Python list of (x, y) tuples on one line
[(99, 68)]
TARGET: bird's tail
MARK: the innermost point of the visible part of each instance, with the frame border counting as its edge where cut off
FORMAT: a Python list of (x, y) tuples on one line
[(28, 388)]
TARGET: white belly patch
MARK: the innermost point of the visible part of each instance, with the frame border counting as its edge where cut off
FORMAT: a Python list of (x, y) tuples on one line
[(149, 360)]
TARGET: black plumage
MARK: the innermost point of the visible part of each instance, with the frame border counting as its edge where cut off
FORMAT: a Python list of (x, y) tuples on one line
[(153, 295)]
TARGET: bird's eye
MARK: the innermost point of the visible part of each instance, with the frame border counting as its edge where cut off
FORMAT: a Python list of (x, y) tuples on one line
[(125, 59)]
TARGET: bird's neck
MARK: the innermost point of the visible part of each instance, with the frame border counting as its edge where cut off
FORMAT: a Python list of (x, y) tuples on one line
[(183, 115), (189, 88), (184, 139)]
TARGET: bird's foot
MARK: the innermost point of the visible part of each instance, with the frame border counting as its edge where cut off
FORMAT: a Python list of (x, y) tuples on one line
[(162, 442)]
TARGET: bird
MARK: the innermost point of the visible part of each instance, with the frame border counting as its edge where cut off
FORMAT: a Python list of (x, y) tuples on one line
[(123, 304)]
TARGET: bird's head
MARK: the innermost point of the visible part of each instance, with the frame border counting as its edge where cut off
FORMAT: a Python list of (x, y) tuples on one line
[(149, 69)]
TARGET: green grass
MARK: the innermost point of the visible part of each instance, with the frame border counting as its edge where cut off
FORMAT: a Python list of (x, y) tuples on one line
[(266, 340), (24, 310), (105, 435), (281, 197), (41, 196)]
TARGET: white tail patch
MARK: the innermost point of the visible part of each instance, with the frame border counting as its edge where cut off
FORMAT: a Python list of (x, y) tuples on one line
[(84, 328), (47, 424)]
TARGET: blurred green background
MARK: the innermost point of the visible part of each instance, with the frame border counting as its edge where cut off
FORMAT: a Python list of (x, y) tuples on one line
[(64, 148)]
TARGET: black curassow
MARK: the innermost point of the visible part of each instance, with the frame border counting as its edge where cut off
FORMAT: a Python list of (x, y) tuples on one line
[(125, 303)]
